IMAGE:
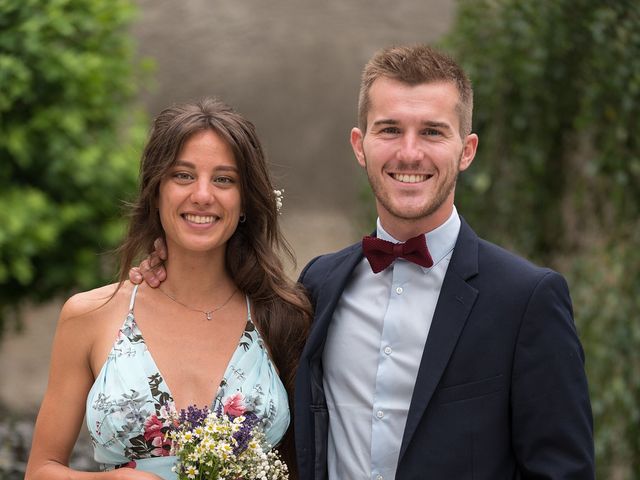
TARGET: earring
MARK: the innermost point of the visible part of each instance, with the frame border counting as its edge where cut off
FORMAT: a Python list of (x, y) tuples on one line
[(243, 218)]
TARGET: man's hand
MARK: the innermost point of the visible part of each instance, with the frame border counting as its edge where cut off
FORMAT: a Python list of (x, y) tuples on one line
[(151, 269)]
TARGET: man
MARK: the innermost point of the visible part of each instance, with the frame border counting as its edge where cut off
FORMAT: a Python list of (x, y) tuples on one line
[(466, 368), (450, 361)]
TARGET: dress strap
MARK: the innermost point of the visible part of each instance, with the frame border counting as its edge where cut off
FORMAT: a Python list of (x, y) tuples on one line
[(248, 308), (133, 298)]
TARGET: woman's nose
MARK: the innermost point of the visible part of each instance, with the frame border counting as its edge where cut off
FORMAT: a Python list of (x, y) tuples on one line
[(202, 193)]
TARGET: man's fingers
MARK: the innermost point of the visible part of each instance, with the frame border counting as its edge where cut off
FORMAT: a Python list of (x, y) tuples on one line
[(152, 270), (152, 279), (150, 264), (135, 276), (160, 248), (160, 274)]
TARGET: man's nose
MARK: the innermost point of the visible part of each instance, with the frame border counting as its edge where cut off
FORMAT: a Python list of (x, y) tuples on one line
[(410, 148)]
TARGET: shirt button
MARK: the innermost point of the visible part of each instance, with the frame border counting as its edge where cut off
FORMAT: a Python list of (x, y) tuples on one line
[(379, 414), (399, 290), (388, 350), (379, 477)]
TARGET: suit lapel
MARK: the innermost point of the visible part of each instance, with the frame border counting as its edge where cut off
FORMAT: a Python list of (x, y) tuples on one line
[(454, 305), (326, 282), (329, 294)]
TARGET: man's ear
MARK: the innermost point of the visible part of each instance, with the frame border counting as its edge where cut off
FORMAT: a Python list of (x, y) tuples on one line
[(357, 137), (468, 151)]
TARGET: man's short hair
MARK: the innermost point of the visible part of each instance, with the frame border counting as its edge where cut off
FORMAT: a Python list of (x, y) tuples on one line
[(414, 65)]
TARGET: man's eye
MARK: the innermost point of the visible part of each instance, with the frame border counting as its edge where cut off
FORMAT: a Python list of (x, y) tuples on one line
[(432, 132), (390, 130)]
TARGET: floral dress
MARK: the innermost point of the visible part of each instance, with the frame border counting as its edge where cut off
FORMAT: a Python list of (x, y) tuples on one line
[(128, 405)]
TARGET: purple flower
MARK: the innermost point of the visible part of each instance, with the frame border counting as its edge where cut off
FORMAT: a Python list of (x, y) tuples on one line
[(193, 416), (245, 434)]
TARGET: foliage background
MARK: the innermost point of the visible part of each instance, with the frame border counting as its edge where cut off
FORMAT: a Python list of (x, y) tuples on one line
[(557, 175), (69, 142)]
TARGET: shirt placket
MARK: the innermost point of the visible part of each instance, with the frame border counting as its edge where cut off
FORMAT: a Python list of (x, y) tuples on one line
[(385, 425)]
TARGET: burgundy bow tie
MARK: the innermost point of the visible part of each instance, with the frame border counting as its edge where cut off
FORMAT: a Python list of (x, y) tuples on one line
[(381, 253)]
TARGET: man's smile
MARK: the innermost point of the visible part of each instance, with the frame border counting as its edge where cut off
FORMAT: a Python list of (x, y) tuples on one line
[(410, 178)]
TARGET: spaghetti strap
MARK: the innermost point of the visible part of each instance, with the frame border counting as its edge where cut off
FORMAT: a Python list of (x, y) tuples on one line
[(248, 308), (133, 298)]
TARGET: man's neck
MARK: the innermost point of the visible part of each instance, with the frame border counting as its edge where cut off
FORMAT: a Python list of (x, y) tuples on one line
[(404, 229)]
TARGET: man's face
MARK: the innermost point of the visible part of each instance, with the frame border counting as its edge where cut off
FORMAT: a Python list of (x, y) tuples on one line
[(412, 152)]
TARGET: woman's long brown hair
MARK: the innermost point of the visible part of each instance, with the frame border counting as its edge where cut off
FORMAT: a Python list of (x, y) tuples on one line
[(281, 309)]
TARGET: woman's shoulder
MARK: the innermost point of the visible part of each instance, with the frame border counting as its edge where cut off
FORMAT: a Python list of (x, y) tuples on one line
[(97, 303), (87, 324)]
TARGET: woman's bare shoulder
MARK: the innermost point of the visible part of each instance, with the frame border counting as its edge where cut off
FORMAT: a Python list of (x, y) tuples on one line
[(99, 302)]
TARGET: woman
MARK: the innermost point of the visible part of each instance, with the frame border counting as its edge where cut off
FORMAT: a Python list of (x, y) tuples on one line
[(217, 332)]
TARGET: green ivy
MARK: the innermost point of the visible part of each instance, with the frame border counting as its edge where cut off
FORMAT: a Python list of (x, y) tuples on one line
[(557, 175), (69, 143)]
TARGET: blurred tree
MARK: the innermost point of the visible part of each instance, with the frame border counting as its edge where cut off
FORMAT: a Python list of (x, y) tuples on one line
[(557, 175), (69, 142)]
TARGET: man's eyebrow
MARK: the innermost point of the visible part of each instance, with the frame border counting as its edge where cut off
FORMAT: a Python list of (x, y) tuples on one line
[(442, 125), (430, 124), (386, 121)]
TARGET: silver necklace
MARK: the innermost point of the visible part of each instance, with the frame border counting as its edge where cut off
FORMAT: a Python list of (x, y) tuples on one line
[(207, 313)]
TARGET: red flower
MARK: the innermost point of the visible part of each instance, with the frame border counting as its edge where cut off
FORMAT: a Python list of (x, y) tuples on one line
[(234, 405), (152, 428), (163, 447)]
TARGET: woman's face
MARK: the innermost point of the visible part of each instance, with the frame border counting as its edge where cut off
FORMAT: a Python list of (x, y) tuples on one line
[(200, 200)]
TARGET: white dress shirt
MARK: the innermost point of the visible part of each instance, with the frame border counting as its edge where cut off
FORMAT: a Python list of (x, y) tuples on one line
[(372, 355)]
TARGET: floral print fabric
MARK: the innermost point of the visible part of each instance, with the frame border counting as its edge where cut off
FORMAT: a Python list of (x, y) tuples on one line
[(127, 406)]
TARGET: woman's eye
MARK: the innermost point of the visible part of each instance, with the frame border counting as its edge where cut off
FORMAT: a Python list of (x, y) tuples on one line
[(224, 180), (183, 176)]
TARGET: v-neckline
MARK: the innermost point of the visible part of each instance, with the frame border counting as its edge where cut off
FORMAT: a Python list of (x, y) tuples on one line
[(138, 332)]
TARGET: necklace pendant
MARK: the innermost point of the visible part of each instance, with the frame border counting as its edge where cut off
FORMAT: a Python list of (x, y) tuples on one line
[(208, 314)]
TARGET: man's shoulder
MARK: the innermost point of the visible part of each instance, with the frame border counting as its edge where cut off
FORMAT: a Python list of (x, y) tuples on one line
[(510, 270), (493, 259), (320, 266), (327, 259), (494, 252)]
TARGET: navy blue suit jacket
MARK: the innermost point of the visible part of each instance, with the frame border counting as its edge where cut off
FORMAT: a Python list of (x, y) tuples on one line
[(501, 391)]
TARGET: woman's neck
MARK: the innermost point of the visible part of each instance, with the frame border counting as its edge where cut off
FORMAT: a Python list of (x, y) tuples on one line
[(196, 278)]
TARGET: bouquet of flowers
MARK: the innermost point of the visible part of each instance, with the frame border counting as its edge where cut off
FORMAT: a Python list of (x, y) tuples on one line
[(216, 445)]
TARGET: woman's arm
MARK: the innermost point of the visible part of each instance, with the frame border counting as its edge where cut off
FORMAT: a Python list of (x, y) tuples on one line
[(63, 406)]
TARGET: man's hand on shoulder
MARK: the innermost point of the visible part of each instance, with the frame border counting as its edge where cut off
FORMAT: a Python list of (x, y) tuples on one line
[(151, 269)]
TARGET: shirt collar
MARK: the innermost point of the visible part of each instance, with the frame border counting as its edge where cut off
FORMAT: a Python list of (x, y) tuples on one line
[(440, 241)]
